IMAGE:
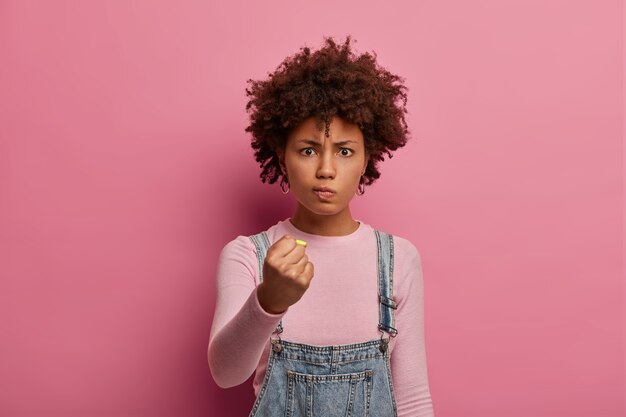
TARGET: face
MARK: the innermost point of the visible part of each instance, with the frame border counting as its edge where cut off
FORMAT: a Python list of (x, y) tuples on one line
[(311, 160)]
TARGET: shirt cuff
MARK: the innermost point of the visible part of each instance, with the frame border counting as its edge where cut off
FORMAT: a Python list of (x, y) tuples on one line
[(260, 313)]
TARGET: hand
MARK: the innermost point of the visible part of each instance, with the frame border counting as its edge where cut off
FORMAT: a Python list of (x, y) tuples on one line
[(287, 274)]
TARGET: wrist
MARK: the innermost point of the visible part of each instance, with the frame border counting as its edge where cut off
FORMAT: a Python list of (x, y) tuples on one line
[(267, 307)]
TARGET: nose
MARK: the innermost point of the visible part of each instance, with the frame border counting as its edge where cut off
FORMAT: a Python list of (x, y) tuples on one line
[(326, 167)]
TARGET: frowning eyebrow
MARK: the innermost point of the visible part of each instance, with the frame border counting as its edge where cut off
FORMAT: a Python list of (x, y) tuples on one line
[(314, 142)]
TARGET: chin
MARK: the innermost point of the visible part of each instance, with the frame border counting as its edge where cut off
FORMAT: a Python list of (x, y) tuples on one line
[(323, 209)]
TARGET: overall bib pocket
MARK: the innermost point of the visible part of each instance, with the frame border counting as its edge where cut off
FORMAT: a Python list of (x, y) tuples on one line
[(350, 394)]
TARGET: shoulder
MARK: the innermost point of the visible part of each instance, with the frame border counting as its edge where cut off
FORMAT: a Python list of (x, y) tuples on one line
[(404, 249), (241, 246), (238, 262), (407, 270), (240, 253)]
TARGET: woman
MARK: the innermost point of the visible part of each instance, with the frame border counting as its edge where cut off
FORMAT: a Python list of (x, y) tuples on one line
[(324, 309)]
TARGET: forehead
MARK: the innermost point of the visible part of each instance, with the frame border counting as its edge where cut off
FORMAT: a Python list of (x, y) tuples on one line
[(339, 129)]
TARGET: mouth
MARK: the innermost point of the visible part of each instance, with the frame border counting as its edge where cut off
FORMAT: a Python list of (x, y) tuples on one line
[(324, 193)]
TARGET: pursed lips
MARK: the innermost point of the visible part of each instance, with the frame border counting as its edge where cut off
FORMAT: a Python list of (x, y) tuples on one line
[(324, 190), (324, 193)]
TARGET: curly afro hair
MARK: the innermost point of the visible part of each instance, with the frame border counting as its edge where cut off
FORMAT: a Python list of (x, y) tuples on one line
[(331, 81)]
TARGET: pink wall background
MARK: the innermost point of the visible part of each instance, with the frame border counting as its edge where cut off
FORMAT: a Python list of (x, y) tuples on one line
[(125, 168)]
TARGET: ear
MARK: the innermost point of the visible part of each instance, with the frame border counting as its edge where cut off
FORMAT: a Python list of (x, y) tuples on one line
[(367, 160), (281, 160)]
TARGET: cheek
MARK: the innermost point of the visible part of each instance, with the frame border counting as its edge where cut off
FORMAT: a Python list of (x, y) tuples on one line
[(356, 170), (298, 176)]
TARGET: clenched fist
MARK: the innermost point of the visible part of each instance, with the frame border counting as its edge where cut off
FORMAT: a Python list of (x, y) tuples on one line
[(287, 274)]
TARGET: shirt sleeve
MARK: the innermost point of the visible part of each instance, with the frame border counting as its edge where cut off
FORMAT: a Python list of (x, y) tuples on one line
[(408, 359), (241, 327)]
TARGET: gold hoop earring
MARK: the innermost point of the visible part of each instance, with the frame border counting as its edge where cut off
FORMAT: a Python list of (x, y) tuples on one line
[(282, 182)]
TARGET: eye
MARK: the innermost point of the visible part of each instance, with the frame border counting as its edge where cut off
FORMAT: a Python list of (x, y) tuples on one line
[(306, 149), (346, 149)]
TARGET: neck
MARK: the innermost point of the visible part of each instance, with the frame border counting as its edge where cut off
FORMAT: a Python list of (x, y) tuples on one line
[(339, 224)]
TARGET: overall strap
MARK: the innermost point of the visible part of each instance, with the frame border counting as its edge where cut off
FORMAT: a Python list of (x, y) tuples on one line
[(262, 244), (387, 305)]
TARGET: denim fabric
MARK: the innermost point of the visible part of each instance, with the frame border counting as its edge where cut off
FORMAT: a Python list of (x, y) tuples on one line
[(332, 381)]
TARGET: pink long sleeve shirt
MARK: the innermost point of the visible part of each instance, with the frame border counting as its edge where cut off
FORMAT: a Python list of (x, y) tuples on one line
[(339, 307)]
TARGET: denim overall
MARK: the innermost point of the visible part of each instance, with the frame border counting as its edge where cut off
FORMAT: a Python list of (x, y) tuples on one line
[(332, 381)]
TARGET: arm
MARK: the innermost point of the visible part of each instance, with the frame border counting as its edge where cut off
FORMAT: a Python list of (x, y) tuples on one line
[(408, 359), (241, 327)]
